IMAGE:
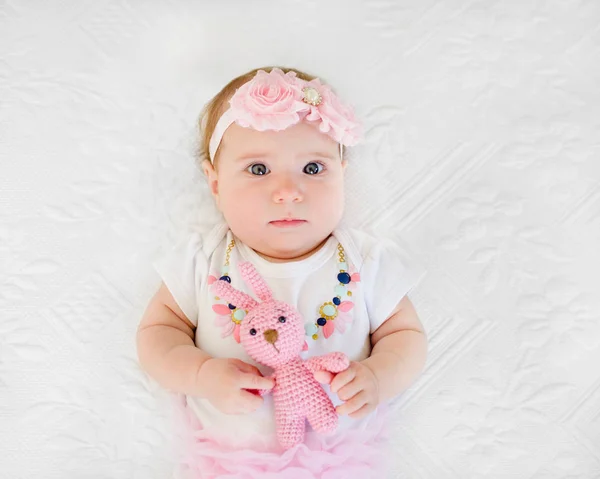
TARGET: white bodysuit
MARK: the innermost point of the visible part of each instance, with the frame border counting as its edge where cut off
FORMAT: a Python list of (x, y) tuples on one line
[(379, 276)]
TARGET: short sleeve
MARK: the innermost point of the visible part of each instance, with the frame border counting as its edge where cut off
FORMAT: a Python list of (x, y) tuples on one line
[(388, 274), (183, 268)]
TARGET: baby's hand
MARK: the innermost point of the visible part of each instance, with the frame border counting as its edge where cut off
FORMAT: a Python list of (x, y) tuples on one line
[(227, 384), (359, 388)]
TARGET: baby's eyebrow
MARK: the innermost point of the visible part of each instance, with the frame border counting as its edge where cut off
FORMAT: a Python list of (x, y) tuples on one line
[(263, 155), (253, 156), (319, 154)]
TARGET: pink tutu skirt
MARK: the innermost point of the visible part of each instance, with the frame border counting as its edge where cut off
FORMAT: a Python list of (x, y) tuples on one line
[(359, 453)]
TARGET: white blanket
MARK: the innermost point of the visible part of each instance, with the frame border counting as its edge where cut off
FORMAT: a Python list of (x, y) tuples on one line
[(482, 156)]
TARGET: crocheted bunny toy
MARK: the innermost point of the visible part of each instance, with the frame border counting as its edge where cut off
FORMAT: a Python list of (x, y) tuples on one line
[(272, 333)]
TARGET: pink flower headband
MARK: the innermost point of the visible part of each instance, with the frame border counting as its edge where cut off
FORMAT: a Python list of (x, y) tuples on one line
[(277, 100)]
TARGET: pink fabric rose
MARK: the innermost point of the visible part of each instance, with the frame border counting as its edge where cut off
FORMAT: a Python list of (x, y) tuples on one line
[(337, 120), (270, 101)]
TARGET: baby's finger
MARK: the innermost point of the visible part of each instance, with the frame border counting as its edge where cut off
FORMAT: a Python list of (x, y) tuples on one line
[(249, 402), (353, 405), (341, 379), (247, 368), (253, 381), (362, 412), (324, 377), (350, 390)]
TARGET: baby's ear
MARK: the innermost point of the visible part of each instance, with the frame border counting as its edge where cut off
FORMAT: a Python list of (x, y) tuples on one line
[(238, 298), (211, 178)]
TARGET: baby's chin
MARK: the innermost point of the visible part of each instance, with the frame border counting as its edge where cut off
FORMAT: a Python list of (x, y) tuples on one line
[(281, 244), (287, 249)]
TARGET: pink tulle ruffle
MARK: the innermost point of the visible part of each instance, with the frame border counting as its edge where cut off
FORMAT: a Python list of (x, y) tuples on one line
[(356, 454)]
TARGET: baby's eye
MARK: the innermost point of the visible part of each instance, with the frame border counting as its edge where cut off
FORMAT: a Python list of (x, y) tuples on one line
[(313, 168), (282, 319), (253, 332), (258, 169)]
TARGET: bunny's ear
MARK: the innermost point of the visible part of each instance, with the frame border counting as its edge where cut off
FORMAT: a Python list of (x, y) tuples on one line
[(238, 298), (255, 280)]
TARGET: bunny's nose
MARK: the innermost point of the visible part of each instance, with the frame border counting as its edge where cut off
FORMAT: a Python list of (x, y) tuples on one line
[(271, 335)]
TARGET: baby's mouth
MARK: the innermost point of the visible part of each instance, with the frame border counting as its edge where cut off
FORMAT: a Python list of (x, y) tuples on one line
[(287, 222)]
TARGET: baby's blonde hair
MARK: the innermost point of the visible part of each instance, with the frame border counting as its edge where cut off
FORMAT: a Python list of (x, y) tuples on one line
[(213, 110)]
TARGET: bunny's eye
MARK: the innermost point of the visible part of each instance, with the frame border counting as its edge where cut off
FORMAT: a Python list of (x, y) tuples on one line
[(253, 332), (282, 319)]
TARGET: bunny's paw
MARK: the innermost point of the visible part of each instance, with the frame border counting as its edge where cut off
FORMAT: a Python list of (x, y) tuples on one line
[(337, 362)]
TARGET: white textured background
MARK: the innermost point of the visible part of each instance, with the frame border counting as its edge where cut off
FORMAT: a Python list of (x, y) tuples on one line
[(483, 155)]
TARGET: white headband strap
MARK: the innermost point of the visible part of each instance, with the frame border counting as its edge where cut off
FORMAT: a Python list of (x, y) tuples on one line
[(224, 122)]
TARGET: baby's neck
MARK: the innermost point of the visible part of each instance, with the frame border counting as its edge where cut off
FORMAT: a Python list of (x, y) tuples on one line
[(273, 259)]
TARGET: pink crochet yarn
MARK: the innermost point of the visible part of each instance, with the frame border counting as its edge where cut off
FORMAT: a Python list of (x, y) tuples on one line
[(273, 334)]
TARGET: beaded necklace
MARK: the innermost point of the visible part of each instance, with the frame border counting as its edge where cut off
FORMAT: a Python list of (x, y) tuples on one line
[(331, 316)]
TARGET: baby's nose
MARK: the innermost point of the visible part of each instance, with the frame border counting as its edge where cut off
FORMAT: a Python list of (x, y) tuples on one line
[(287, 191), (271, 335)]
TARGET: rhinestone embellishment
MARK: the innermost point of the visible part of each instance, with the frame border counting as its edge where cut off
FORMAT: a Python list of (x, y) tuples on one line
[(312, 96)]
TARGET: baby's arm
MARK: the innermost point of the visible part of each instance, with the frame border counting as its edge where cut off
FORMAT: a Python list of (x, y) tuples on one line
[(399, 351), (167, 351), (165, 345), (397, 359)]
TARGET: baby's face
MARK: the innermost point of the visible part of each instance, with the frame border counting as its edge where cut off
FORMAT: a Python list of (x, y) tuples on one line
[(269, 176)]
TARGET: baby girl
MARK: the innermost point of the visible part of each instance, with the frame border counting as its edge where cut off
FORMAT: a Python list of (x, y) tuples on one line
[(274, 153)]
